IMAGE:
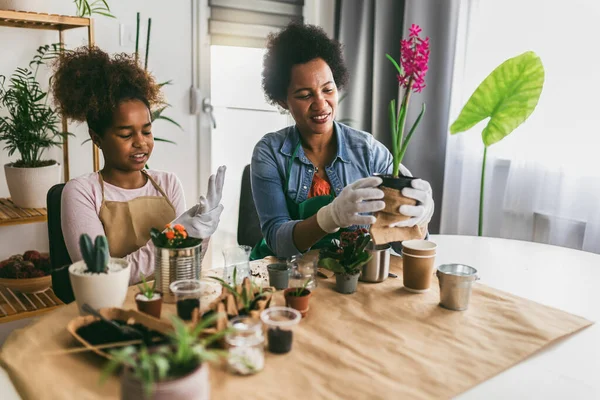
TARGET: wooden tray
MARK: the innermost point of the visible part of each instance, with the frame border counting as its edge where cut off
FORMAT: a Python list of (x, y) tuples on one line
[(119, 314), (27, 285)]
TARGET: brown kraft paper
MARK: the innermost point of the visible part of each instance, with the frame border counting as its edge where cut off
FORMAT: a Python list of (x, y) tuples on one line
[(379, 343), (380, 230)]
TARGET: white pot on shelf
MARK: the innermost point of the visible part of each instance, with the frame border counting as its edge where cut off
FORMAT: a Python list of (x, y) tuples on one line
[(100, 290), (28, 187), (61, 7)]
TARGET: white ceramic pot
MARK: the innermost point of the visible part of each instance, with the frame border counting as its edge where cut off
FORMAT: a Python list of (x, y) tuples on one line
[(100, 290), (194, 386), (62, 7), (28, 187)]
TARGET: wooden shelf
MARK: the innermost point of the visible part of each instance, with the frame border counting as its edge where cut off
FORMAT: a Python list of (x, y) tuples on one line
[(10, 214), (15, 305), (31, 20)]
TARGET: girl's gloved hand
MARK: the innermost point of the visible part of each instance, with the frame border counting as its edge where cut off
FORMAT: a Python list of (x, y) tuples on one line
[(354, 199), (421, 213), (202, 219)]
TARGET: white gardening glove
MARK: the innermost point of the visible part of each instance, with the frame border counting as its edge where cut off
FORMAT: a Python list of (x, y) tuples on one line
[(344, 210), (421, 213), (202, 220)]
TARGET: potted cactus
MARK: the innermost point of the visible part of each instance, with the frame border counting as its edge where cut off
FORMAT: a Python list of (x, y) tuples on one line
[(98, 280)]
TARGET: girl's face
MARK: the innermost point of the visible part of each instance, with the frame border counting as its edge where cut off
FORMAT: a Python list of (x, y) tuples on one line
[(128, 143), (312, 97)]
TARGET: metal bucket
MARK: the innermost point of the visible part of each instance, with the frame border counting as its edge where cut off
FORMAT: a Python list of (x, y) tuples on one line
[(378, 267), (455, 285), (172, 265)]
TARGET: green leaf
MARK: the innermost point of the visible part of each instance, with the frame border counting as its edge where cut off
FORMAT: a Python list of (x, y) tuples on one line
[(164, 140), (507, 96), (332, 265), (398, 68)]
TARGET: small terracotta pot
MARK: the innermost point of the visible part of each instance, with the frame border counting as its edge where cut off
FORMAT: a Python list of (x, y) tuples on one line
[(299, 303), (419, 247), (417, 272), (150, 307), (194, 386)]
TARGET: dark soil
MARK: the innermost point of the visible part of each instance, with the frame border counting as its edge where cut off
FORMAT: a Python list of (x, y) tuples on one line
[(100, 332), (280, 341), (185, 308)]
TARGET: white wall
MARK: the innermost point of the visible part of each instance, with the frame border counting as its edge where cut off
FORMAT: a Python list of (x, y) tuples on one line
[(170, 58)]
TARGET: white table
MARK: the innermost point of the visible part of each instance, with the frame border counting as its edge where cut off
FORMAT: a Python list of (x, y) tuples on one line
[(558, 277)]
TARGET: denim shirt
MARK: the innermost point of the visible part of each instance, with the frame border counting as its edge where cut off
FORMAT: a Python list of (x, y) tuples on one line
[(359, 155)]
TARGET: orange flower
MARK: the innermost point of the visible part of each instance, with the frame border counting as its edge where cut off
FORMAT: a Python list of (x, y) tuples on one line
[(179, 228), (168, 226), (170, 235), (184, 234)]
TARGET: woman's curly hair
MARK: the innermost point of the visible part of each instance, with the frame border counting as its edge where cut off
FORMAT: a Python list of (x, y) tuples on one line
[(88, 85), (299, 44)]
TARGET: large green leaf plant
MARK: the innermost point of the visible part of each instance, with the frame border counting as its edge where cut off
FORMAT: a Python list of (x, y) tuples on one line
[(507, 96)]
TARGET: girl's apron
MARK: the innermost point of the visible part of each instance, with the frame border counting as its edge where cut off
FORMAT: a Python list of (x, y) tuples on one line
[(127, 223), (298, 211)]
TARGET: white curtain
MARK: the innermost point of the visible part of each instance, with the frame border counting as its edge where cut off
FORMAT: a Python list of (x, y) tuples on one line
[(543, 181)]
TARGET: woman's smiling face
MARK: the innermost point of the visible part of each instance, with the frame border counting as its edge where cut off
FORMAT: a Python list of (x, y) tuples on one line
[(312, 97)]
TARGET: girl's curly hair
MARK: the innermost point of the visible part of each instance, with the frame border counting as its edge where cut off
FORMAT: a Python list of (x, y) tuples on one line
[(88, 85), (299, 44)]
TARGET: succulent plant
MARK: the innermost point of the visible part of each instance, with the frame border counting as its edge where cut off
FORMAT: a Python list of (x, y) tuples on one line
[(95, 255)]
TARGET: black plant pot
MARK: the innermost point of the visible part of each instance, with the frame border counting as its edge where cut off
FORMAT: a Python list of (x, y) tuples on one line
[(397, 183), (61, 284)]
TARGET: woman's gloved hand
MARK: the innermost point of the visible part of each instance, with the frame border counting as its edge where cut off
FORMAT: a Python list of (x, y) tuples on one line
[(354, 199), (202, 219), (421, 213)]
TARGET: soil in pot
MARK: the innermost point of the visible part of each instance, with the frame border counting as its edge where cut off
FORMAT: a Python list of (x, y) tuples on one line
[(152, 306), (185, 307), (280, 340), (398, 183), (299, 303)]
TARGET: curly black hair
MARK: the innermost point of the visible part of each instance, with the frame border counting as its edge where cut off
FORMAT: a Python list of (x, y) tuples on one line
[(88, 85), (298, 44)]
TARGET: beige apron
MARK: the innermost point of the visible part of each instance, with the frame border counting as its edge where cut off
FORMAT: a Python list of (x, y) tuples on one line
[(127, 223)]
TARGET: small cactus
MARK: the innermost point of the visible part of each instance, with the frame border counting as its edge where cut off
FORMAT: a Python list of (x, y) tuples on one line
[(95, 255)]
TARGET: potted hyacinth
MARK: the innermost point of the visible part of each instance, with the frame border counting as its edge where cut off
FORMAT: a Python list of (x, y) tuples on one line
[(412, 68), (98, 280), (345, 257)]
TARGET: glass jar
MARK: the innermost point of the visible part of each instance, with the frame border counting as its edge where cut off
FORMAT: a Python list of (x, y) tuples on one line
[(237, 262), (303, 270), (245, 342)]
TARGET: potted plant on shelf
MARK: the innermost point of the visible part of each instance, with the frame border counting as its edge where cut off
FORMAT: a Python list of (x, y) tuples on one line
[(412, 68), (176, 371), (176, 256), (507, 96), (345, 257), (298, 297), (98, 280), (83, 8), (29, 127), (149, 300)]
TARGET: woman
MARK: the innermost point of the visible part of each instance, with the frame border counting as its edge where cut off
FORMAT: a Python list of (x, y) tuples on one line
[(123, 201), (311, 179)]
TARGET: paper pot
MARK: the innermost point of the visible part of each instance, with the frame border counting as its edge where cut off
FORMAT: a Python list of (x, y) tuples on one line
[(100, 290), (380, 231), (151, 307), (417, 272)]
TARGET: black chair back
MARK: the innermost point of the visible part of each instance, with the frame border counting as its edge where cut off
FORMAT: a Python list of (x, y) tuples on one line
[(59, 256), (248, 232)]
